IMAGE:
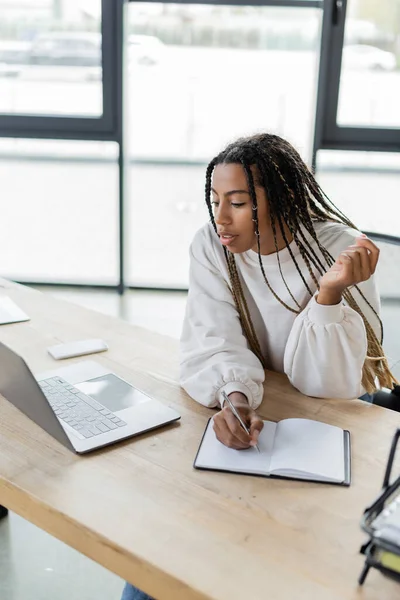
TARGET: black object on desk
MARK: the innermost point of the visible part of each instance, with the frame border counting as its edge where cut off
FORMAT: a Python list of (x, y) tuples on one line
[(389, 400), (376, 545)]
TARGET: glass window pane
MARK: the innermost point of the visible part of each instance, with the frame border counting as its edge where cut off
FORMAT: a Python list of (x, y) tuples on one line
[(369, 94), (364, 185), (198, 77), (50, 58), (59, 207)]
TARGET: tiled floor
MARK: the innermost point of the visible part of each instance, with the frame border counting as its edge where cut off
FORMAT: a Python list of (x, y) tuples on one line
[(35, 566)]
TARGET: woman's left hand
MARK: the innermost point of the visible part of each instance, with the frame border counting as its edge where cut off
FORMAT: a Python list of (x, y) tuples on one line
[(355, 264)]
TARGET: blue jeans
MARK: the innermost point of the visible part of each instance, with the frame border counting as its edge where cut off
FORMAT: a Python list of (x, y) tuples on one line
[(367, 398), (132, 593)]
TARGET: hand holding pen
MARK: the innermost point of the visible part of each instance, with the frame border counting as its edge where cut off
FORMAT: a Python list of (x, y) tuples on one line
[(240, 430)]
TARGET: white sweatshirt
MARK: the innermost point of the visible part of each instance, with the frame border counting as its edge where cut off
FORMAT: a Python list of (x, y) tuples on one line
[(321, 350)]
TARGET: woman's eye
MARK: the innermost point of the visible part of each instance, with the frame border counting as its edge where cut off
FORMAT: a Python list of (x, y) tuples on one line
[(235, 204)]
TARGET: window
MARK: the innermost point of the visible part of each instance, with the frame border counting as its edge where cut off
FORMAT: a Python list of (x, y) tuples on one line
[(369, 94), (364, 185), (198, 77), (59, 207), (359, 81), (50, 58)]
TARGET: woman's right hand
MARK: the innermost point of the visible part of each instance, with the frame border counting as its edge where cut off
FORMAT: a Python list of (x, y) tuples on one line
[(228, 429)]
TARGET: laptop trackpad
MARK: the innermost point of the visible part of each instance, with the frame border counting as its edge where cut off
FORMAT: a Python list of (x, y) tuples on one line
[(111, 391)]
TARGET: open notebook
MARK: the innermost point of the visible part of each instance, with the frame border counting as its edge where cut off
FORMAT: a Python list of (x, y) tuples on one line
[(292, 448)]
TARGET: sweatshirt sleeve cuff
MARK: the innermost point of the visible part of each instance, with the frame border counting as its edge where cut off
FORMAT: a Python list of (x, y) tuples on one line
[(322, 314), (234, 386)]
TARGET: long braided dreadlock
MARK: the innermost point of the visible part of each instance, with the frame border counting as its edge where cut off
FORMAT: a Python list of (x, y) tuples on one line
[(297, 201)]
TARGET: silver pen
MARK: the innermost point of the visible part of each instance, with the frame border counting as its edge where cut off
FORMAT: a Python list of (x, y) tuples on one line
[(239, 418)]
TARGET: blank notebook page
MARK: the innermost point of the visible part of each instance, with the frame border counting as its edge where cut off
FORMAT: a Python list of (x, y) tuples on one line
[(213, 454), (309, 447)]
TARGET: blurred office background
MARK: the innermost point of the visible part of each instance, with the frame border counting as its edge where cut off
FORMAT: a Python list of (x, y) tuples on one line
[(109, 113)]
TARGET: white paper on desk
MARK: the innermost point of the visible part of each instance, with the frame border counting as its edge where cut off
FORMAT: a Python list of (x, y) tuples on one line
[(10, 312)]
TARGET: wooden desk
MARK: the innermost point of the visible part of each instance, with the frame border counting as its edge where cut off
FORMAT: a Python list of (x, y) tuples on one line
[(142, 511)]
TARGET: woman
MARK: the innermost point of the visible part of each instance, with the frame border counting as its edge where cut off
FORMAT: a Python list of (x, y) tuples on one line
[(280, 279)]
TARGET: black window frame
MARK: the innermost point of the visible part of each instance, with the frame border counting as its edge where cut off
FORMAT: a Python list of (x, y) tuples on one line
[(328, 135)]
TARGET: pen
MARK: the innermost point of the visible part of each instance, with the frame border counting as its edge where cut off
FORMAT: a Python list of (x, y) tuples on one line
[(235, 412)]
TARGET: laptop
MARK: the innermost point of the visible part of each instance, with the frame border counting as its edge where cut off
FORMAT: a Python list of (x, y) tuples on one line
[(84, 405)]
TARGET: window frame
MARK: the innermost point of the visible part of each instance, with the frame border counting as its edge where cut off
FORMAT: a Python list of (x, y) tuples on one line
[(328, 135), (103, 128)]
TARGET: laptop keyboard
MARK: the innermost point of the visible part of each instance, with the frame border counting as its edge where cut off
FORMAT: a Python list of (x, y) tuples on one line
[(82, 413)]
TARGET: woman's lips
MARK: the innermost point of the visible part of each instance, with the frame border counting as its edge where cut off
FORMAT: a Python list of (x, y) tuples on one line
[(227, 238)]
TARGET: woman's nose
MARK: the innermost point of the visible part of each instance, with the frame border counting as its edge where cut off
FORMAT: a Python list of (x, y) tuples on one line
[(222, 216)]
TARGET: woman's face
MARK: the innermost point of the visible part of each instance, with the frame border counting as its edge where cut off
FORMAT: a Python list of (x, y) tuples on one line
[(233, 210)]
